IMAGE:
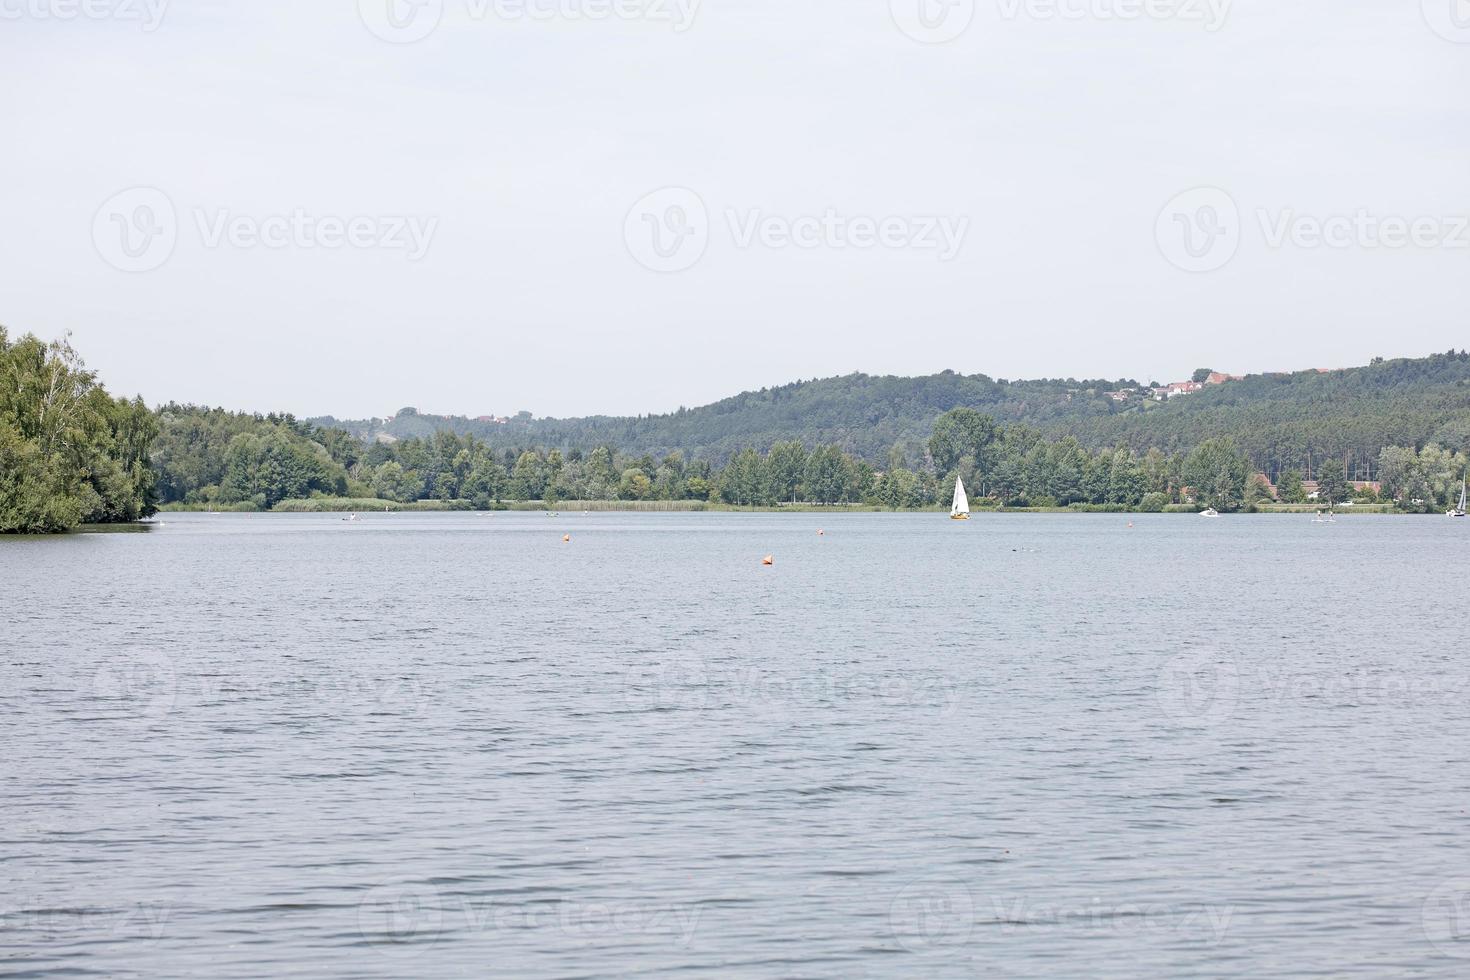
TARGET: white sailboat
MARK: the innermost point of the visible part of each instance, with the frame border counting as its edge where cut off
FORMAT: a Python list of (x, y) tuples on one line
[(960, 509), (1460, 510)]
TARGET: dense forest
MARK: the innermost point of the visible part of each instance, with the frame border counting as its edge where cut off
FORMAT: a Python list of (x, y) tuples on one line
[(70, 453), (208, 457), (1283, 422)]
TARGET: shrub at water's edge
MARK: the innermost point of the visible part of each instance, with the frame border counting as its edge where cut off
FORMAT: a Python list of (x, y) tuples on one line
[(70, 453)]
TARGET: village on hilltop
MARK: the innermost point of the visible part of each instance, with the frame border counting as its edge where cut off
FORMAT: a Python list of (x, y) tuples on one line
[(1164, 392)]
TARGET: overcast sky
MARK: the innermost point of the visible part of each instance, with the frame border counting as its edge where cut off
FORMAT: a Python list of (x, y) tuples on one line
[(623, 206)]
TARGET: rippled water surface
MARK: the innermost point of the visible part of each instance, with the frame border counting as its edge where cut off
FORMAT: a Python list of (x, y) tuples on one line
[(424, 745)]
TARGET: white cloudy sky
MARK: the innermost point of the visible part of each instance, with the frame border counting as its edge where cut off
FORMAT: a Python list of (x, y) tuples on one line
[(1060, 140)]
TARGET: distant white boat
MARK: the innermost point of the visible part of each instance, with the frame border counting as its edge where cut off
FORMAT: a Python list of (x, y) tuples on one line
[(1460, 510), (960, 509), (351, 519), (1209, 512)]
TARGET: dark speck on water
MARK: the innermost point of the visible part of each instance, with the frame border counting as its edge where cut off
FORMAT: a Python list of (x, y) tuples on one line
[(1019, 746)]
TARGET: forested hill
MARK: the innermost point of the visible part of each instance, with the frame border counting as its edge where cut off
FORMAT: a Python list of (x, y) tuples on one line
[(1283, 421), (863, 414)]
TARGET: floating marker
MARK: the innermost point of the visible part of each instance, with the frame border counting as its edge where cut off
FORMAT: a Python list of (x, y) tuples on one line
[(768, 560)]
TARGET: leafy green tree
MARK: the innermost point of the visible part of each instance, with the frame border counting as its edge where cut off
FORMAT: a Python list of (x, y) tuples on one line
[(1290, 488), (1125, 479), (1217, 471), (744, 480), (785, 468), (635, 485), (528, 479), (485, 483), (1153, 502), (1332, 484), (827, 476), (958, 433), (69, 452)]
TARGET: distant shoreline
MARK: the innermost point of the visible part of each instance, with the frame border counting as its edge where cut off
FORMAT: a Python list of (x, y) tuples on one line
[(330, 505)]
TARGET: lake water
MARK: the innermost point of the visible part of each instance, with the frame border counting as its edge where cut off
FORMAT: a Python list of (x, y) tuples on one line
[(1024, 746)]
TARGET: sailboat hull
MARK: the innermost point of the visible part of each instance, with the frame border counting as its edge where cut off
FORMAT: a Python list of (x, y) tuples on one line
[(959, 517)]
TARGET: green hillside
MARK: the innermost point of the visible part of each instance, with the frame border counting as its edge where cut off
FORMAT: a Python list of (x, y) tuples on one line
[(1282, 421)]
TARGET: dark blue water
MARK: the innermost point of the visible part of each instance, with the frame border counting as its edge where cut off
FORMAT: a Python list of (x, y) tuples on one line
[(457, 745)]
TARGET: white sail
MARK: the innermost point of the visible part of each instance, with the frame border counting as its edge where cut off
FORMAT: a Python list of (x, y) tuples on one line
[(961, 502), (1462, 496)]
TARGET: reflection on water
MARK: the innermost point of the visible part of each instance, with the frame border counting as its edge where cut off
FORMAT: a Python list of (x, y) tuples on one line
[(1022, 746)]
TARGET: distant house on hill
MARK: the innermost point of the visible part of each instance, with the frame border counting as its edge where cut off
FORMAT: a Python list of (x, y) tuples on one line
[(1216, 378)]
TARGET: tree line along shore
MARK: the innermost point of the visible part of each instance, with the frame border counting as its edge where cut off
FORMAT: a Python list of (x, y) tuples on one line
[(71, 454)]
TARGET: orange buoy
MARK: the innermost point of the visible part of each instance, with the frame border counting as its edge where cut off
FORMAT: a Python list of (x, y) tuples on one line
[(768, 560), (566, 537)]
